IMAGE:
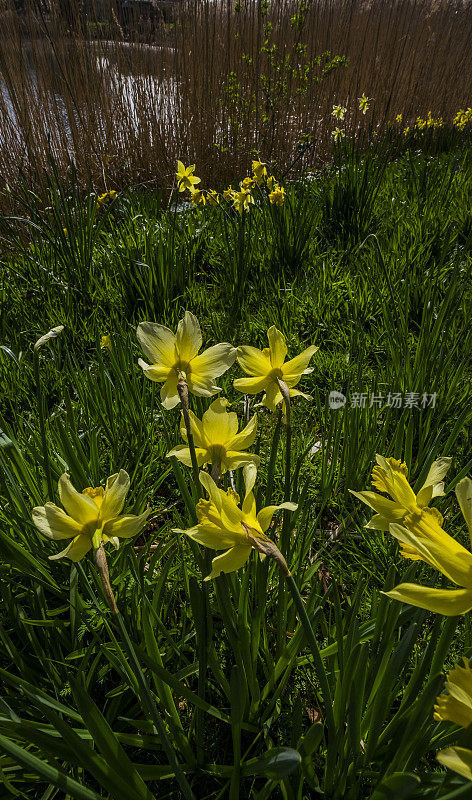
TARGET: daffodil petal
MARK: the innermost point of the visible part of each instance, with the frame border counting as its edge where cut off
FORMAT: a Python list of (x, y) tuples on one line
[(169, 394), (250, 475), (249, 505), (213, 362), (234, 460), (451, 602), (245, 438), (298, 365), (154, 372), (76, 550), (219, 426), (277, 346), (254, 362), (188, 340), (272, 397), (386, 508), (125, 527), (115, 493), (78, 506), (229, 562), (251, 385), (378, 523), (157, 342), (53, 522), (438, 471), (459, 759), (437, 548), (264, 516), (196, 428), (210, 537), (182, 453)]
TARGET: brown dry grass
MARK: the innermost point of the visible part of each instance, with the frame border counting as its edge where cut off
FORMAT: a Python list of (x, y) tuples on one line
[(124, 107)]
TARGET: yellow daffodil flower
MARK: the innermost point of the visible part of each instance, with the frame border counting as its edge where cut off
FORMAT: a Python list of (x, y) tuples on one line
[(399, 118), (212, 197), (217, 440), (228, 193), (337, 134), (456, 707), (197, 197), (277, 196), (175, 355), (339, 112), (271, 183), (422, 538), (259, 169), (242, 200), (185, 177), (390, 476), (105, 341), (364, 103), (248, 183), (224, 525), (90, 517), (268, 366)]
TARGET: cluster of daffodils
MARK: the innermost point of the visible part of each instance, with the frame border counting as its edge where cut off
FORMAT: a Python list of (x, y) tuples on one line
[(419, 530), (241, 198), (420, 124), (339, 113), (93, 517), (106, 197)]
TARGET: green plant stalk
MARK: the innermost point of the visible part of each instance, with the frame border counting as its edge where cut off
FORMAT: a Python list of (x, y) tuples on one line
[(42, 426), (284, 544), (182, 389), (146, 697)]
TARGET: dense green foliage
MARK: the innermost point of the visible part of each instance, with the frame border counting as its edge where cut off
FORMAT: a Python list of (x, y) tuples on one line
[(371, 260)]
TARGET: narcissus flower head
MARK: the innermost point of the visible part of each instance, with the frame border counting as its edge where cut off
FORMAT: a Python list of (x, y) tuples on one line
[(266, 367), (259, 169), (225, 524), (185, 177), (217, 440), (339, 112), (105, 341), (337, 134), (242, 200), (277, 195), (364, 102), (248, 183), (175, 355), (456, 707), (422, 538), (391, 477), (90, 517), (197, 197)]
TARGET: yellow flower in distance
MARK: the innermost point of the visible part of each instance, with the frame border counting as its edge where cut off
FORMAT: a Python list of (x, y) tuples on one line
[(217, 440), (456, 707), (259, 169), (175, 355), (90, 517), (363, 103), (105, 341), (268, 366), (185, 177), (339, 112), (224, 525), (212, 197), (277, 196), (197, 197), (337, 134), (248, 183), (242, 200), (391, 476), (271, 183)]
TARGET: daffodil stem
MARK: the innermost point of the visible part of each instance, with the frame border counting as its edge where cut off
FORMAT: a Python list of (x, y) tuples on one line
[(42, 426), (319, 667), (284, 539), (273, 456), (182, 389)]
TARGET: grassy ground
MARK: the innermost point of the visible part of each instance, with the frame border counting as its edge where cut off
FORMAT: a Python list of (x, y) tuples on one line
[(370, 260)]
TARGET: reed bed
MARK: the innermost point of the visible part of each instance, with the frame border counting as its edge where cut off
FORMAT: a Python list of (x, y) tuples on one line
[(218, 83)]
